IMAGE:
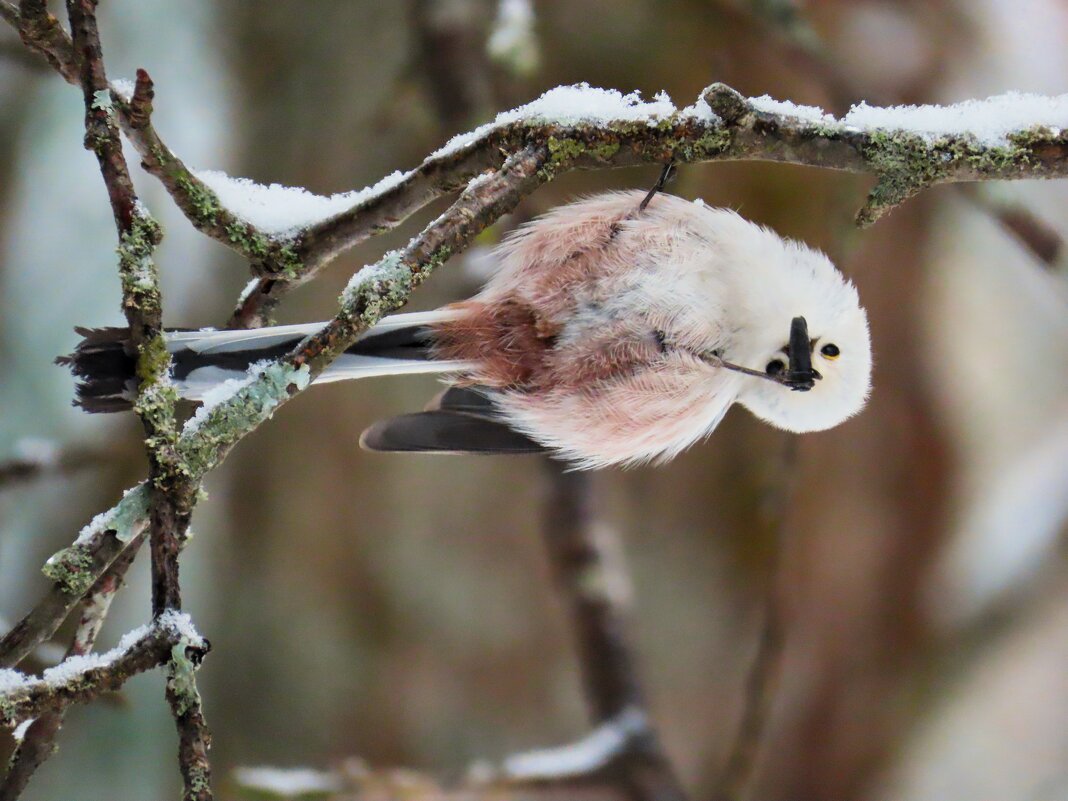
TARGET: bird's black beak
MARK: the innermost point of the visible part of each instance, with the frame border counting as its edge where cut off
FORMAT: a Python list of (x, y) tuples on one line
[(801, 377)]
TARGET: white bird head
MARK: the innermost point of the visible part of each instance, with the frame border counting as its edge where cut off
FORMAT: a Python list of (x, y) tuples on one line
[(810, 332)]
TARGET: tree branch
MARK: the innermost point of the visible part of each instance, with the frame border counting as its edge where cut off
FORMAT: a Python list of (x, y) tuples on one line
[(903, 162), (267, 255), (42, 33), (170, 639), (587, 561), (374, 291), (38, 743), (1037, 236), (595, 587), (172, 491), (72, 577), (380, 212), (785, 22), (138, 236)]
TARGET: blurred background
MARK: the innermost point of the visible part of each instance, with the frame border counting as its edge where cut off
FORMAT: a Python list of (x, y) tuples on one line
[(402, 609)]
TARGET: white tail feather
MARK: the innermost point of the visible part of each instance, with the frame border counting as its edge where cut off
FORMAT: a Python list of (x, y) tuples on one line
[(346, 368), (202, 380), (211, 341)]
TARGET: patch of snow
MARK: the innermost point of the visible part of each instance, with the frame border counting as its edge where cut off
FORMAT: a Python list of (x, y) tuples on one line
[(287, 782), (701, 111), (19, 733), (122, 517), (73, 666), (11, 680), (284, 211), (573, 105), (590, 753), (786, 108), (182, 624), (388, 268), (124, 88), (274, 377), (219, 393), (990, 120)]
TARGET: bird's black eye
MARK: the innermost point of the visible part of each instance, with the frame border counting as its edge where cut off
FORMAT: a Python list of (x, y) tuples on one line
[(830, 351), (775, 367)]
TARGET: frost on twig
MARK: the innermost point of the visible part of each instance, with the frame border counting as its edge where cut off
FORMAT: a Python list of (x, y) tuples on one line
[(72, 567), (589, 768), (596, 751), (907, 148), (288, 782), (83, 677)]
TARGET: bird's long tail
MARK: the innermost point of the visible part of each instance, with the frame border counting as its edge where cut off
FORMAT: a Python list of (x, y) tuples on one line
[(104, 362)]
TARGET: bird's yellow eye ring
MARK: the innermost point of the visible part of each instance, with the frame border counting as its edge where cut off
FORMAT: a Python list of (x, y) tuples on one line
[(830, 351)]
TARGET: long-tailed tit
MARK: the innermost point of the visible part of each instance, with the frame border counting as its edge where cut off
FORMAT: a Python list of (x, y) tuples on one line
[(611, 334)]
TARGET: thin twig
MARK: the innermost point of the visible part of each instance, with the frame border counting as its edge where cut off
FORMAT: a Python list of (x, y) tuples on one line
[(786, 23), (587, 560), (42, 622), (173, 492), (38, 743), (42, 33), (156, 647), (1039, 238)]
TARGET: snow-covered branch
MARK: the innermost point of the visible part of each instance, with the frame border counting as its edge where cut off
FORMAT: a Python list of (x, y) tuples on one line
[(38, 739), (171, 639), (906, 148), (592, 578)]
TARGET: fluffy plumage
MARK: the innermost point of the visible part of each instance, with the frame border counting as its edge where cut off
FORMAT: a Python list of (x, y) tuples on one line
[(601, 337), (591, 336)]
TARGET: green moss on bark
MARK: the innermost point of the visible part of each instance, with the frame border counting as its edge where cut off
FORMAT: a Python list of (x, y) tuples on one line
[(71, 569), (200, 447)]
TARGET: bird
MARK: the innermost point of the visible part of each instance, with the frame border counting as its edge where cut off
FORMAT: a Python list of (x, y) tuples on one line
[(617, 330)]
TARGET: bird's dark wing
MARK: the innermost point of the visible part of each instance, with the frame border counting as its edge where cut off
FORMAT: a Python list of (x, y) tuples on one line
[(468, 400), (459, 420)]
